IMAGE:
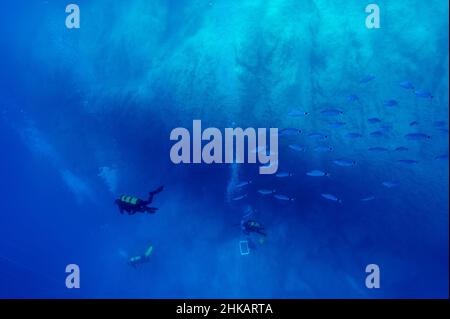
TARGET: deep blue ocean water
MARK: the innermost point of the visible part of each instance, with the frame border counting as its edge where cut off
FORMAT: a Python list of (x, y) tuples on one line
[(86, 115)]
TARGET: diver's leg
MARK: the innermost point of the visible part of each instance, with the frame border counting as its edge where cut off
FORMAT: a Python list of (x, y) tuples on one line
[(158, 190), (141, 210), (152, 193)]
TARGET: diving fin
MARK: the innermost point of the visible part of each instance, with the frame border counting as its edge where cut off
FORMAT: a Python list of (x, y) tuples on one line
[(158, 190)]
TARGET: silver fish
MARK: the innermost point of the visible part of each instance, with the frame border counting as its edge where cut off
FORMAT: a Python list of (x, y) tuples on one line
[(331, 112), (374, 120), (407, 85), (239, 197), (423, 94), (297, 148), (390, 184), (407, 161), (317, 173), (283, 197), (331, 197), (323, 148), (442, 157), (369, 198), (297, 113), (376, 134), (337, 124), (440, 123), (390, 103), (354, 135), (284, 174), (367, 79), (316, 135), (242, 184), (417, 136), (266, 191), (352, 98), (344, 162)]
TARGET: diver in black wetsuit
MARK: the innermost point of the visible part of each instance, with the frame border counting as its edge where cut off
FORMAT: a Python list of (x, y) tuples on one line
[(251, 226), (133, 205), (137, 260)]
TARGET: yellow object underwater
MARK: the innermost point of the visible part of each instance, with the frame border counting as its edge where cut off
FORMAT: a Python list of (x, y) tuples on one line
[(135, 259), (141, 259), (149, 251), (129, 199)]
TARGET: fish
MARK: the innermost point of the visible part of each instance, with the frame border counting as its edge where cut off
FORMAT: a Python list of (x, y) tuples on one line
[(401, 149), (367, 79), (413, 123), (423, 94), (283, 197), (440, 123), (377, 149), (406, 85), (443, 129), (297, 113), (344, 162), (266, 191), (352, 98), (407, 161), (337, 124), (331, 197), (417, 136), (316, 135), (442, 157), (369, 198), (374, 120), (376, 134), (239, 197), (289, 131), (297, 148), (354, 135), (284, 174), (323, 148), (242, 184), (317, 173), (390, 103), (385, 128), (331, 112), (390, 184)]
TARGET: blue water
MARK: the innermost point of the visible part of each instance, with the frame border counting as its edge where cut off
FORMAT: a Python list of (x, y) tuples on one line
[(86, 116)]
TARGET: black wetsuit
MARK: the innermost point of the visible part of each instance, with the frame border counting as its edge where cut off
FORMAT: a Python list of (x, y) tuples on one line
[(133, 205), (252, 226)]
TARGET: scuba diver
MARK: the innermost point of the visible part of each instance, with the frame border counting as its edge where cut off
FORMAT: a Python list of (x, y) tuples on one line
[(135, 261), (133, 205), (251, 226)]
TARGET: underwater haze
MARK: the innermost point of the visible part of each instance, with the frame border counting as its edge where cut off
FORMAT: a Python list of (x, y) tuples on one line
[(86, 116)]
